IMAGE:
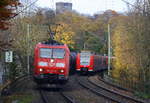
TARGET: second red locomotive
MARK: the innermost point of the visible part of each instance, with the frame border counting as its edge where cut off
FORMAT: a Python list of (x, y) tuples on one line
[(84, 61), (88, 62), (51, 63)]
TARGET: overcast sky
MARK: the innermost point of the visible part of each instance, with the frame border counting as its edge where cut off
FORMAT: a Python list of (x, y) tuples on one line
[(88, 6)]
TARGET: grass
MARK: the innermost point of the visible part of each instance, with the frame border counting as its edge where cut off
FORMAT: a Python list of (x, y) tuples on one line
[(142, 95), (26, 99), (19, 98), (1, 87)]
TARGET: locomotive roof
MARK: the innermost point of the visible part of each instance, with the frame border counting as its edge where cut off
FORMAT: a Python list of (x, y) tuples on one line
[(51, 42), (43, 44)]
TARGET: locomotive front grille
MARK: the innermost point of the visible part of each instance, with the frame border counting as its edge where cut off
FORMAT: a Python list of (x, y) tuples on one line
[(84, 69), (50, 76)]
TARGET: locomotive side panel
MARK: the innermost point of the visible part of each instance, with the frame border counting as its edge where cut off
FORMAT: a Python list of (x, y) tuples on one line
[(97, 62), (72, 62), (100, 63), (78, 62)]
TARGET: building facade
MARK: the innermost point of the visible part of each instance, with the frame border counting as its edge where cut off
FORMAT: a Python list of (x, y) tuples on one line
[(63, 6)]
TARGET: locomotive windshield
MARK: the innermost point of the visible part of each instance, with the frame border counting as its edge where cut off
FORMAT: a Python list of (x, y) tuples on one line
[(85, 58), (52, 53), (58, 53), (45, 53)]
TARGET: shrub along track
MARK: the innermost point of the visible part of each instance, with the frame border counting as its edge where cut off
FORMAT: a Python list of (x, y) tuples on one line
[(106, 92)]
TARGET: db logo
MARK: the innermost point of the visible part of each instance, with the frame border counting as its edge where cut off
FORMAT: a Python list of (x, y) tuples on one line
[(51, 64)]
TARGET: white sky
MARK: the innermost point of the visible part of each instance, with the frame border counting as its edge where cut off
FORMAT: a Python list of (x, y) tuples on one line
[(89, 6)]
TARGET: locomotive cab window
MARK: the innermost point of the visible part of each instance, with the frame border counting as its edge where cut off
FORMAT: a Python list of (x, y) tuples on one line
[(45, 53), (52, 53), (58, 53)]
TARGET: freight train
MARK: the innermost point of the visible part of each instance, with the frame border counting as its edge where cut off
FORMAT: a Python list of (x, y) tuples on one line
[(51, 63)]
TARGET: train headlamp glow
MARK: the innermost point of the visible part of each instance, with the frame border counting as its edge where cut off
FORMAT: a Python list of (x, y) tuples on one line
[(40, 69), (52, 60), (43, 64), (60, 65), (61, 71)]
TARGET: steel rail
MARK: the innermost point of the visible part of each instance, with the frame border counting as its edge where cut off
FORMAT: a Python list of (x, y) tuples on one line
[(113, 85), (116, 86), (116, 93), (43, 96), (83, 84), (68, 98)]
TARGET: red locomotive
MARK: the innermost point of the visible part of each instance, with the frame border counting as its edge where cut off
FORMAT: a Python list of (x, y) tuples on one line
[(84, 61), (88, 62), (51, 63)]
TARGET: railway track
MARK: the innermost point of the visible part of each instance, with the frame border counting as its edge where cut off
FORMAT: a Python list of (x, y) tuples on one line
[(84, 81), (47, 98), (11, 87), (99, 80), (128, 93), (105, 92), (43, 96), (113, 85), (68, 98)]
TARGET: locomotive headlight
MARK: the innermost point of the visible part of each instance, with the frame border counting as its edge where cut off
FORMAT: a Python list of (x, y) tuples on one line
[(40, 69), (43, 64), (61, 71), (60, 65), (52, 60)]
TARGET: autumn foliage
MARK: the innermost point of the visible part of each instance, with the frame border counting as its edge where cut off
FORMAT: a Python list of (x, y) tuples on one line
[(131, 39), (7, 8)]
